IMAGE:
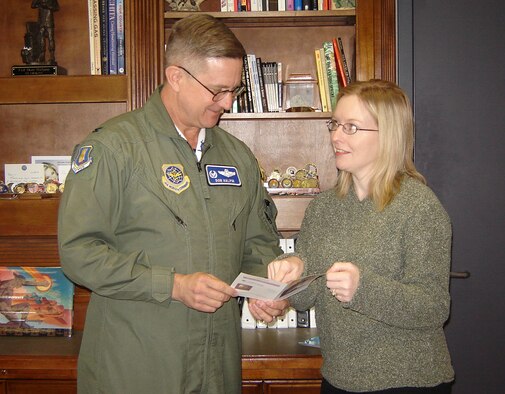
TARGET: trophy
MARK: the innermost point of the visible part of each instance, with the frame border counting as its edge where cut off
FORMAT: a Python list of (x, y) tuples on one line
[(39, 48)]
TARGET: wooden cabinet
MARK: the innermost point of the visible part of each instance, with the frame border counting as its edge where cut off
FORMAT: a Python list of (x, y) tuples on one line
[(49, 115), (273, 362)]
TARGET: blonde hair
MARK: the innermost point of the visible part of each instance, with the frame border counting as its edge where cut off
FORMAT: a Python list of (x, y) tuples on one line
[(390, 108), (199, 37)]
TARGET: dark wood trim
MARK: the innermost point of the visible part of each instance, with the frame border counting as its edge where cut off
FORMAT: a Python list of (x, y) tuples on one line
[(375, 40), (63, 89), (145, 42)]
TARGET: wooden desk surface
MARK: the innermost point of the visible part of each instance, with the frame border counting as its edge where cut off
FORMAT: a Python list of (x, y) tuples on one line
[(267, 354)]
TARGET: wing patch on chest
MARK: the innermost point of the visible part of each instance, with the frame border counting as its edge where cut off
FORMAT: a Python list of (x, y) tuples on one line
[(173, 178)]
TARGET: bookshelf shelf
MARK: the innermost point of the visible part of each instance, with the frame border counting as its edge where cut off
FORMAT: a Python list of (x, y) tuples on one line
[(276, 115), (63, 89), (275, 18), (268, 14)]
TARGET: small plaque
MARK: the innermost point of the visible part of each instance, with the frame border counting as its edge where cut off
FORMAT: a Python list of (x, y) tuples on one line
[(37, 69)]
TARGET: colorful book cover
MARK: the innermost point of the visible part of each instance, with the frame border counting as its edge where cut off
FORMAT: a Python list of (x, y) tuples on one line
[(337, 4), (112, 37), (320, 79), (35, 301), (339, 64), (331, 70), (120, 37)]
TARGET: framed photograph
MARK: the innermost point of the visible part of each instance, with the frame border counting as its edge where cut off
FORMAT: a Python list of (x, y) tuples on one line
[(56, 168), (35, 301)]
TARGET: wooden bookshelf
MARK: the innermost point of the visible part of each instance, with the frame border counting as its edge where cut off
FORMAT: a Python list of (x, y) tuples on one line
[(49, 115)]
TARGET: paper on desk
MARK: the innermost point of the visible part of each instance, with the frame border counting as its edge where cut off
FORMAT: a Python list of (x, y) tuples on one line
[(267, 289)]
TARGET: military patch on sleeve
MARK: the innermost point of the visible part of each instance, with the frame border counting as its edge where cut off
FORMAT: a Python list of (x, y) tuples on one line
[(174, 178), (222, 175), (83, 159)]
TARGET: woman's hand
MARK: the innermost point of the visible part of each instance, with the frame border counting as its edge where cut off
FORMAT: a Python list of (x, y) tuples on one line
[(343, 280), (286, 270)]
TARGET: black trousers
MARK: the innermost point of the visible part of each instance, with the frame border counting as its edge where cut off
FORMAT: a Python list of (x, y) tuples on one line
[(444, 388)]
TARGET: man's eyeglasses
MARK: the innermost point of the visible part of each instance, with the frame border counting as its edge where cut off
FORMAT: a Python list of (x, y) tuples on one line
[(219, 95), (348, 128)]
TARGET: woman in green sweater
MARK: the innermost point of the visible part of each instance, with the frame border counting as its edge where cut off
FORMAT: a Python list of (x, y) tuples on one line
[(383, 240)]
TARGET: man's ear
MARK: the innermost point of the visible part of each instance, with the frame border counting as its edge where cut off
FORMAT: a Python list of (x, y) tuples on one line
[(173, 76)]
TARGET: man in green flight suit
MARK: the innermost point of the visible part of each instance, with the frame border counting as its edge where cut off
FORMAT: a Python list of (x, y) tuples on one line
[(161, 211)]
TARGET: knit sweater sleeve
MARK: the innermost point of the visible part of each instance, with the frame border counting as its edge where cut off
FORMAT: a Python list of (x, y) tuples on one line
[(308, 238), (418, 296)]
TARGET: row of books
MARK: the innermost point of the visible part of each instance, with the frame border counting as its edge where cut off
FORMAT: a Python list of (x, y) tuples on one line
[(332, 72), (263, 82), (265, 87), (106, 36), (285, 5)]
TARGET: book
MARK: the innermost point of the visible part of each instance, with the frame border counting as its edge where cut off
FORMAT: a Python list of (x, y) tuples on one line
[(104, 35), (250, 107), (253, 77), (325, 80), (344, 60), (94, 37), (261, 84), (273, 5), (338, 4), (331, 71), (112, 37), (242, 99), (271, 86), (290, 5), (320, 80), (35, 301), (120, 36), (339, 64), (280, 95)]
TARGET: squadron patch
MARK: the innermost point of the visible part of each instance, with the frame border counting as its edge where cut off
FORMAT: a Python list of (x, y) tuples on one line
[(173, 178), (83, 159), (222, 175)]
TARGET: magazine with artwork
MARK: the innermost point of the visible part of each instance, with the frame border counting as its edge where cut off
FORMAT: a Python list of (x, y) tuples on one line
[(35, 301)]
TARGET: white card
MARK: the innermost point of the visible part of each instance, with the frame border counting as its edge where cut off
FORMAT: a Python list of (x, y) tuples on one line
[(24, 173)]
